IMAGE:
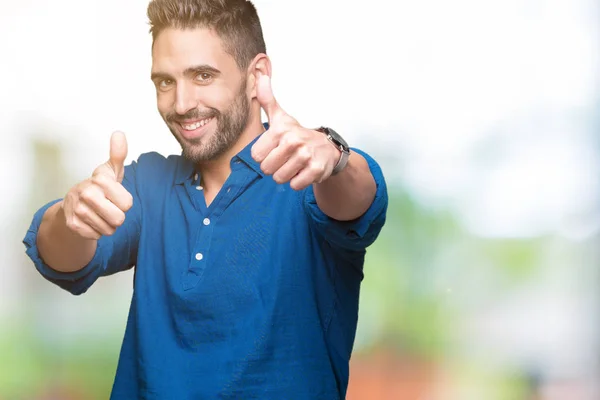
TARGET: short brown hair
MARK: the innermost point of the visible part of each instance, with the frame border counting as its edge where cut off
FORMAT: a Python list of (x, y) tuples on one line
[(236, 22)]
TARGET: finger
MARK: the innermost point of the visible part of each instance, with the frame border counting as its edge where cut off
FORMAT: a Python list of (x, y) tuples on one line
[(94, 197), (83, 229), (306, 177), (118, 154), (265, 144), (276, 159), (266, 99), (114, 192), (290, 169), (93, 220)]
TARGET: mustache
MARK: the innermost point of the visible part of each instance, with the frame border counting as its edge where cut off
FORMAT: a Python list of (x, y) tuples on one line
[(190, 115)]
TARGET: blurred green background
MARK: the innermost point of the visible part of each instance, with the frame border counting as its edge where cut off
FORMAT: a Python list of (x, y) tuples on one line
[(484, 116)]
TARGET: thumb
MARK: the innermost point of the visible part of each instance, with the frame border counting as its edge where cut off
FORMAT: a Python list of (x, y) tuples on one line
[(118, 153), (266, 99)]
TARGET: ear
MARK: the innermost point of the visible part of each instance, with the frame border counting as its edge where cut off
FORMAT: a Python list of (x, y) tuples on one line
[(261, 65)]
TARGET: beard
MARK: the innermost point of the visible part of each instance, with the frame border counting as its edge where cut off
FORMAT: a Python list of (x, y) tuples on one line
[(230, 125)]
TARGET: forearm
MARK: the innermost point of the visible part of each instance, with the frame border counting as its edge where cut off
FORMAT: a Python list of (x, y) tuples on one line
[(61, 248), (349, 194)]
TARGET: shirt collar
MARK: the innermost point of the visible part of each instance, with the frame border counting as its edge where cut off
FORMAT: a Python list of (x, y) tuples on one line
[(246, 156), (186, 169)]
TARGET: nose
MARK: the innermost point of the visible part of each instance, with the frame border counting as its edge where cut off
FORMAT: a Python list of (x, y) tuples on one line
[(185, 99)]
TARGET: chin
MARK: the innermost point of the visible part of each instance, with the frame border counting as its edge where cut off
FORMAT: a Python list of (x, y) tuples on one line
[(202, 152)]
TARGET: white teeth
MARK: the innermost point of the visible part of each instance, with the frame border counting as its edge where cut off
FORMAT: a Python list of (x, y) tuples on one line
[(196, 125), (191, 127)]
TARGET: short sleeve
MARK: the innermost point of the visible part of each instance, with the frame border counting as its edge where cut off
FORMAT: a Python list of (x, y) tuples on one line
[(114, 253), (357, 234)]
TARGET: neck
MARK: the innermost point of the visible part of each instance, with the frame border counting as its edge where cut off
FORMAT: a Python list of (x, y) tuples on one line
[(215, 172)]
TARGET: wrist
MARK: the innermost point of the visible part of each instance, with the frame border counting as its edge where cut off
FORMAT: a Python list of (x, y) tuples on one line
[(342, 147)]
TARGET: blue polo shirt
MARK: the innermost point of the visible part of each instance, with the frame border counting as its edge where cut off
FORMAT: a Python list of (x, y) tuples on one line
[(253, 297)]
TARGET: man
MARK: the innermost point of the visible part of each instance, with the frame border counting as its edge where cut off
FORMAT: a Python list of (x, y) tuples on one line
[(248, 248)]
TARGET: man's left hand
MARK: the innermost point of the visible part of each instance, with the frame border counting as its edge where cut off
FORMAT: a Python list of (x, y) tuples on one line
[(288, 151)]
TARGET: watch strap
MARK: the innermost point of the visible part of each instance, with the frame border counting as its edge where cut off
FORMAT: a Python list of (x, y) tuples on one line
[(344, 150), (341, 164)]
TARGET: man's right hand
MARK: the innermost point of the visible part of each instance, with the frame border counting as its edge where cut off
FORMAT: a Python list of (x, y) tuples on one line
[(96, 207)]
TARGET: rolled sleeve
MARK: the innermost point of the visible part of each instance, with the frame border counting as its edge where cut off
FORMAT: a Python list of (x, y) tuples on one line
[(76, 282), (357, 234), (113, 253)]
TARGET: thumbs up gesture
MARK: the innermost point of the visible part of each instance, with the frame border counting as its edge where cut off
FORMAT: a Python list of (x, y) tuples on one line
[(96, 207), (288, 151)]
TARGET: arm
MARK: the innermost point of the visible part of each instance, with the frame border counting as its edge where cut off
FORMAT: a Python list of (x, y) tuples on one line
[(72, 246), (359, 233), (348, 210), (69, 231), (349, 194), (60, 247), (304, 157)]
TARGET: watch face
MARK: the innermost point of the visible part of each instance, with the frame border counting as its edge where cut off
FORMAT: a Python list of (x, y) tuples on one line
[(336, 137)]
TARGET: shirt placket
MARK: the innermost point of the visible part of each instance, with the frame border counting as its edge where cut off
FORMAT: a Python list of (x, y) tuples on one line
[(237, 182)]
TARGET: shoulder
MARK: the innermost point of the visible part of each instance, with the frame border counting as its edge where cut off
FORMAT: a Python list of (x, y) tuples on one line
[(156, 160), (152, 169), (155, 167)]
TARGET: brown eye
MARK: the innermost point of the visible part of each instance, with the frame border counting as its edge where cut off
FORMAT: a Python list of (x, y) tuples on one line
[(165, 83), (203, 77)]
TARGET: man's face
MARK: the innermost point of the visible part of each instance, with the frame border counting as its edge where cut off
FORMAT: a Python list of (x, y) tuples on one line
[(201, 93)]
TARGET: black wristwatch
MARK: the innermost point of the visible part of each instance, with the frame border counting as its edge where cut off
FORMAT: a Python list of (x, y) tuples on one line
[(341, 145)]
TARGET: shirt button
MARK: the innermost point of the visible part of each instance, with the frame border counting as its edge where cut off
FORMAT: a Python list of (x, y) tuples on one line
[(206, 221), (199, 188), (199, 256)]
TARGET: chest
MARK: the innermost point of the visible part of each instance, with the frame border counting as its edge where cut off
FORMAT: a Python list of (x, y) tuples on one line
[(228, 267), (250, 239)]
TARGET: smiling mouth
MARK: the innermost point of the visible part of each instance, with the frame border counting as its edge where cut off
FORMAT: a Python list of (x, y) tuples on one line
[(195, 125)]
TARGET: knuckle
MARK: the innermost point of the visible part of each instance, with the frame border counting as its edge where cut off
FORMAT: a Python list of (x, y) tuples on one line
[(119, 220), (317, 167), (71, 224), (93, 235), (304, 154), (73, 193), (128, 202), (80, 210), (295, 185), (291, 140), (265, 168), (75, 225), (278, 178), (87, 194), (99, 179), (78, 189), (69, 200)]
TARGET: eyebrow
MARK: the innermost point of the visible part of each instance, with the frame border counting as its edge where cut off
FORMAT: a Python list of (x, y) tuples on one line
[(191, 71)]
